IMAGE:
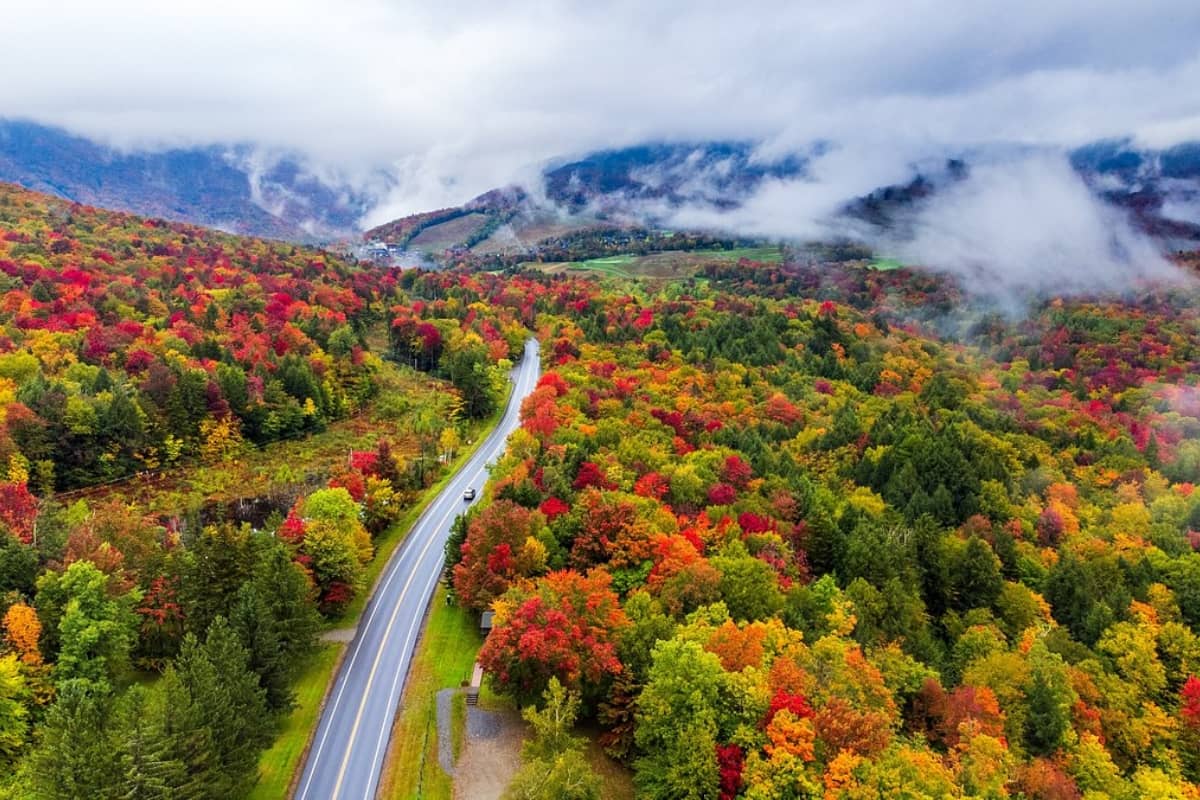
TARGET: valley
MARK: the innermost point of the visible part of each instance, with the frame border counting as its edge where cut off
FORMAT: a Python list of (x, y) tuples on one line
[(600, 401), (761, 519)]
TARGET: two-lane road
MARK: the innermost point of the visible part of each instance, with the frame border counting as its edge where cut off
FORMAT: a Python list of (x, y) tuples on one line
[(352, 737)]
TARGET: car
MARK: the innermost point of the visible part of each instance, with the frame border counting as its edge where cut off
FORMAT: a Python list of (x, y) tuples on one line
[(469, 494)]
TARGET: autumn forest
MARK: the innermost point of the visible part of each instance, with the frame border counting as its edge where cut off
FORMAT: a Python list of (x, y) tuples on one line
[(767, 530)]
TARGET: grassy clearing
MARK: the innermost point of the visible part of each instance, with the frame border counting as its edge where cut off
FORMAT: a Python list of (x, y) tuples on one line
[(458, 724), (437, 238), (667, 264), (265, 471), (768, 254), (443, 660), (616, 781), (610, 265), (278, 765), (885, 264)]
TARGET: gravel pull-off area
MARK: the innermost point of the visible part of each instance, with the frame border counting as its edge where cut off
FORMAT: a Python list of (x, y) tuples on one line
[(491, 752)]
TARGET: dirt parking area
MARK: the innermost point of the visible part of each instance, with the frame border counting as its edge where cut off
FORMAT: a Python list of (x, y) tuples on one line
[(491, 754)]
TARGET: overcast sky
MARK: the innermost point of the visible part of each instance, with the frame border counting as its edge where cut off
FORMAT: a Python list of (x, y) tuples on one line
[(458, 97)]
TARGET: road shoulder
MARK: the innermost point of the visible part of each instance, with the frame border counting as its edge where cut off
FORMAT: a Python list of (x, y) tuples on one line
[(445, 655)]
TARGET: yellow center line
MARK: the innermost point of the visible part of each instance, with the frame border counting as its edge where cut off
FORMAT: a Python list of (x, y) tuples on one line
[(393, 570), (362, 706), (412, 629), (388, 632)]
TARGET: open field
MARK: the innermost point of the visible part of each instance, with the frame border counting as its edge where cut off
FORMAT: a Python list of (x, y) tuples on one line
[(667, 264), (270, 470), (502, 240), (526, 230)]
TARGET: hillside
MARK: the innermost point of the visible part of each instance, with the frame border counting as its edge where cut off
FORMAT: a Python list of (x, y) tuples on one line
[(777, 537), (246, 189), (720, 174), (831, 529), (641, 187), (204, 439), (232, 188)]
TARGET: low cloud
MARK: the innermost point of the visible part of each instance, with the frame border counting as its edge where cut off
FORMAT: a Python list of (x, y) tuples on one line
[(1021, 221), (457, 97), (1031, 224), (452, 99), (807, 207)]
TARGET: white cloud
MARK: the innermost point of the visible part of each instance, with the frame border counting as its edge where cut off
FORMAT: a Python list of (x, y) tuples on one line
[(1031, 224), (464, 97)]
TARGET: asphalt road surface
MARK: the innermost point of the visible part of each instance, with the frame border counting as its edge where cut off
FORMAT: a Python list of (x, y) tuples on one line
[(352, 736)]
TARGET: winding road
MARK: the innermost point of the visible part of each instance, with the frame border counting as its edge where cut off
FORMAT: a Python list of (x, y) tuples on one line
[(352, 736)]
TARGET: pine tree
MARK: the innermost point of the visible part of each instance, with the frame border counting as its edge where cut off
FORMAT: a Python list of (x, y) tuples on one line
[(219, 561), (251, 620), (76, 756), (150, 762), (291, 600), (228, 701), (1050, 699), (182, 723), (977, 579), (941, 505), (1151, 452)]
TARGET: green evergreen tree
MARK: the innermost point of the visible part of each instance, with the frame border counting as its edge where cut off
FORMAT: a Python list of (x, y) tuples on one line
[(18, 566), (1050, 698), (228, 701), (467, 369), (252, 621), (290, 601), (216, 564), (182, 724), (150, 762), (977, 578), (941, 505), (77, 755)]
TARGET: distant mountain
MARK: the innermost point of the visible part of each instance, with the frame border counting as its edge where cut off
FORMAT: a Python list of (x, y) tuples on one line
[(642, 186), (619, 189), (1160, 188), (236, 188), (244, 189), (718, 174)]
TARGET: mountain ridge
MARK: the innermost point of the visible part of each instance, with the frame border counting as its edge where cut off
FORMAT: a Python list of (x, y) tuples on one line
[(248, 190), (237, 188)]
